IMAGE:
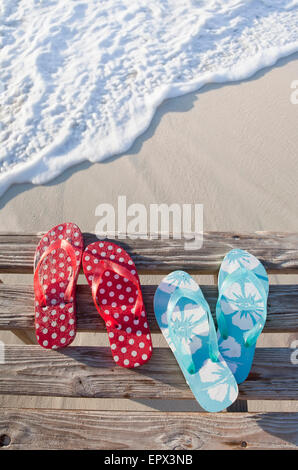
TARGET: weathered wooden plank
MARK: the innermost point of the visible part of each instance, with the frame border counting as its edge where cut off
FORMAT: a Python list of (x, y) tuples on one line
[(91, 372), (238, 405), (278, 251), (17, 311), (25, 429)]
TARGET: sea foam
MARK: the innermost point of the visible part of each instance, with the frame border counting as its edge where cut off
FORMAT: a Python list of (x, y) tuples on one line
[(80, 80)]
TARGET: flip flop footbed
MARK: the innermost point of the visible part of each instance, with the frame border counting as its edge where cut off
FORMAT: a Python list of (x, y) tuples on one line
[(212, 384), (243, 305), (55, 320), (130, 338)]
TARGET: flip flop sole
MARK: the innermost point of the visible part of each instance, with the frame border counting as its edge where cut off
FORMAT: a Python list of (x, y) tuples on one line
[(130, 341), (55, 322), (213, 384), (242, 305)]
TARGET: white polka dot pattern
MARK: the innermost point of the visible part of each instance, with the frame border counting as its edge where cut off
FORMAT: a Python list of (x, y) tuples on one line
[(130, 338), (55, 322)]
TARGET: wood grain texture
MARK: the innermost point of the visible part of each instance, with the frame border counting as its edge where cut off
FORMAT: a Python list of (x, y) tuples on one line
[(278, 251), (58, 429), (17, 308), (91, 372)]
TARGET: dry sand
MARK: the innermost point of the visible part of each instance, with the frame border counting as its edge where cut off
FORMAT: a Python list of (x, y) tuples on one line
[(232, 148)]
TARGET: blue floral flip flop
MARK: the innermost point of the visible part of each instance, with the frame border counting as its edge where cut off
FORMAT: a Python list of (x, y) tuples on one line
[(185, 320), (241, 309)]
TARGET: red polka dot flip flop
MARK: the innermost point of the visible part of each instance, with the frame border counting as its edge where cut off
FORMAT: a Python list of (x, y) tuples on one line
[(56, 269), (117, 295)]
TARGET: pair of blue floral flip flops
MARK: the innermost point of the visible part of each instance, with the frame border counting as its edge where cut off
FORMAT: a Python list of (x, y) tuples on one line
[(214, 362)]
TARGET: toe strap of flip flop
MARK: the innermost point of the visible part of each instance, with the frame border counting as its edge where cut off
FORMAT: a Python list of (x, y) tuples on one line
[(197, 297), (38, 289), (251, 336), (105, 265)]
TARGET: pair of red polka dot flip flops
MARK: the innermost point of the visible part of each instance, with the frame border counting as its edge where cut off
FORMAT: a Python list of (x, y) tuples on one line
[(115, 288)]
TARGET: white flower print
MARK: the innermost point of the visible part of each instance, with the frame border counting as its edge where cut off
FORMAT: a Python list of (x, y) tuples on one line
[(230, 348), (197, 316), (181, 279), (218, 392), (166, 334), (237, 259), (233, 366), (164, 286), (211, 371), (217, 373), (243, 300), (187, 327)]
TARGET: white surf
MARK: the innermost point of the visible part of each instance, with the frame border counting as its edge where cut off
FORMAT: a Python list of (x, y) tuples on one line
[(80, 80)]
